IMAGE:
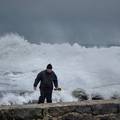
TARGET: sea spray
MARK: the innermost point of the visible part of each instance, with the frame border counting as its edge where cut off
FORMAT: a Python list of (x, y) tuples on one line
[(96, 70)]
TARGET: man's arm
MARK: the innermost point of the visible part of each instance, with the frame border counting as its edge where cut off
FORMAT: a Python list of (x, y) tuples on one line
[(37, 80), (55, 81)]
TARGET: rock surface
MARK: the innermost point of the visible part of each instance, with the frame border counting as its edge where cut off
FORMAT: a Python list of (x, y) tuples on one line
[(80, 94), (86, 110)]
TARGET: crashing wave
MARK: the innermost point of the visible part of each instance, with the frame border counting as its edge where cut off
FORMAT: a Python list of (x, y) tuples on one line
[(96, 70)]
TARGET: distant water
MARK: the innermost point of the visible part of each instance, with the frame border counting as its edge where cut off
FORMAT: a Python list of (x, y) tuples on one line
[(96, 70)]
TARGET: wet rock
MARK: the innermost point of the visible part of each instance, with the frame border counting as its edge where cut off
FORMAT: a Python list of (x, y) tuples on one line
[(115, 96), (76, 116), (97, 96), (80, 94), (84, 110)]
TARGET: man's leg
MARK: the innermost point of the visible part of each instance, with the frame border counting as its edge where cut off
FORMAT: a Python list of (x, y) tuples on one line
[(42, 97), (49, 96)]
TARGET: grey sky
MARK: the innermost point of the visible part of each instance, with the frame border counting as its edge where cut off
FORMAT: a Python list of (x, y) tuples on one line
[(84, 21)]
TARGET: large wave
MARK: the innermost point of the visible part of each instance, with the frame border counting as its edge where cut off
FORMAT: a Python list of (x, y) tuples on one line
[(93, 69)]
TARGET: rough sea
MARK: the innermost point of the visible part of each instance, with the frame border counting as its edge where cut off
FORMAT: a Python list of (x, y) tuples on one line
[(96, 70)]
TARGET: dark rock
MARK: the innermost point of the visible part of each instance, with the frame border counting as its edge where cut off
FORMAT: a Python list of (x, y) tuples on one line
[(80, 94), (100, 109), (84, 110), (115, 96), (76, 116), (97, 96)]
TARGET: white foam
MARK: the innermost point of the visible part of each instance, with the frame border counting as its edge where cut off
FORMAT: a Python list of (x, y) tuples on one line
[(93, 69)]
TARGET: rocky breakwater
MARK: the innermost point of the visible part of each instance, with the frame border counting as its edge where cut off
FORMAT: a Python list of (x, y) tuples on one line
[(85, 110)]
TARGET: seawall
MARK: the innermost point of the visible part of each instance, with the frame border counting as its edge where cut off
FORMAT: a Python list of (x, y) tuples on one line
[(86, 110)]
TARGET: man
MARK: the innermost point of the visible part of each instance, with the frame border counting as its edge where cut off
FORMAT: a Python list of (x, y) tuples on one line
[(46, 78)]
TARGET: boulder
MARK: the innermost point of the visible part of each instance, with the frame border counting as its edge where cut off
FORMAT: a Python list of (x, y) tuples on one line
[(115, 96), (97, 96), (80, 94)]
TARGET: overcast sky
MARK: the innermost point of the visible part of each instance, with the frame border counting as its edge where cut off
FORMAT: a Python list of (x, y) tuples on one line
[(83, 21)]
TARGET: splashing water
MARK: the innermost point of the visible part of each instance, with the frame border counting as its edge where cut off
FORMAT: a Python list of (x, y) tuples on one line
[(93, 69)]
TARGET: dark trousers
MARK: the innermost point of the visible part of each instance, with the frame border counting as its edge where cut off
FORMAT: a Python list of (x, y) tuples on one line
[(45, 94)]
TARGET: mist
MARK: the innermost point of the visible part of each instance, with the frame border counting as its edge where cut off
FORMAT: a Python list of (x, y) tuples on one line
[(86, 22)]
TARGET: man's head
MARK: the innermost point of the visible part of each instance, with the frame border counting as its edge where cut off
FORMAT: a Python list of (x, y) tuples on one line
[(49, 68)]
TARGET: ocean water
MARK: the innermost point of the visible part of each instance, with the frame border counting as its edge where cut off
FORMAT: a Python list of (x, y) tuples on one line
[(96, 70)]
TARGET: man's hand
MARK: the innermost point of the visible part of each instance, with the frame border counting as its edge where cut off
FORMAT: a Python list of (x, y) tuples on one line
[(35, 88), (59, 89)]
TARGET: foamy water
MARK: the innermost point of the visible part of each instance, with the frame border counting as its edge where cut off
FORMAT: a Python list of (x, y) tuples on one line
[(94, 69)]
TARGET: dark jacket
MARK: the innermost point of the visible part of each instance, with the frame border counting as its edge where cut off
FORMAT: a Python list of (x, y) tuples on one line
[(46, 80)]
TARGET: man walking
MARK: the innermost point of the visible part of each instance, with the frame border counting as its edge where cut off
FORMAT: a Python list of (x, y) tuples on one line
[(46, 78)]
